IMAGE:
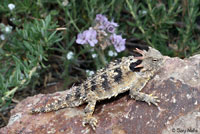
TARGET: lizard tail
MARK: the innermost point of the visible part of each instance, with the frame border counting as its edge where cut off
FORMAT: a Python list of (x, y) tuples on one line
[(68, 101)]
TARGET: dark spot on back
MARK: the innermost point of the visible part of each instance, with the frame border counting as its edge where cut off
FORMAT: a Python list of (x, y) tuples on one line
[(105, 83), (93, 84), (78, 92), (134, 64), (68, 96), (118, 77), (85, 86), (42, 109), (118, 61)]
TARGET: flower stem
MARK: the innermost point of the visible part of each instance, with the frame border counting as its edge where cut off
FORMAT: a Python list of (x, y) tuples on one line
[(101, 55)]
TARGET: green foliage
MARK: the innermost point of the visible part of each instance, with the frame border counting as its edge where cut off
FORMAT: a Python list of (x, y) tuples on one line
[(23, 53), (40, 35), (169, 26)]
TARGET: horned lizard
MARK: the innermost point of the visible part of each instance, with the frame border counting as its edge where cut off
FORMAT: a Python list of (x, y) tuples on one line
[(125, 74)]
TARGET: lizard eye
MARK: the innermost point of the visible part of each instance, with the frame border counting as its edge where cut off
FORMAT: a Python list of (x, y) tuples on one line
[(155, 59), (131, 58)]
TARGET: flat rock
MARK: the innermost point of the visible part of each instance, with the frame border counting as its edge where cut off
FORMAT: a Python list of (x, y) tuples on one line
[(177, 85)]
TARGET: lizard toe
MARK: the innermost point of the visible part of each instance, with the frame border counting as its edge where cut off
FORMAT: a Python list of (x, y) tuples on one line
[(92, 121)]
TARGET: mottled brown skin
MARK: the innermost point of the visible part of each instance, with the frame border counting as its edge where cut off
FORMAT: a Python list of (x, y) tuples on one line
[(125, 74)]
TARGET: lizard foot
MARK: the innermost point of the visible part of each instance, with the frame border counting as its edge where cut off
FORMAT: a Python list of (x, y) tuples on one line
[(151, 99), (92, 121)]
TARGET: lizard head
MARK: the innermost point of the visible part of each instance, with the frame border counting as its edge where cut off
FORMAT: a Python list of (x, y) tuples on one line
[(151, 59)]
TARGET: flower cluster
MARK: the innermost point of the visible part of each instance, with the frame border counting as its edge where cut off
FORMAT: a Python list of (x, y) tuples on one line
[(11, 6), (2, 37), (5, 29), (87, 37), (104, 24), (70, 55), (89, 72), (112, 53), (102, 33)]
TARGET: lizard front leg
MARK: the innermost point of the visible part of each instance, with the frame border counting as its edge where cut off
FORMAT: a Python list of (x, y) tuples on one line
[(89, 119), (144, 97), (137, 95)]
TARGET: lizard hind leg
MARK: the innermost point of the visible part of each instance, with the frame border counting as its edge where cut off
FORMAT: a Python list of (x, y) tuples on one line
[(89, 119)]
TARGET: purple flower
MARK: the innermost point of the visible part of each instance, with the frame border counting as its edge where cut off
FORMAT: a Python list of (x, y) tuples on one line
[(91, 36), (105, 24), (114, 24), (101, 19), (110, 29), (88, 36), (118, 42), (111, 26), (81, 38)]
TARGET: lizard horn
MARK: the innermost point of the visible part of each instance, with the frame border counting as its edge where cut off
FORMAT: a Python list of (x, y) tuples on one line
[(138, 66), (139, 51)]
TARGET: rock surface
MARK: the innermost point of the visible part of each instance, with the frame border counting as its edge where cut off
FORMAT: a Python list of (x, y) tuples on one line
[(177, 85)]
